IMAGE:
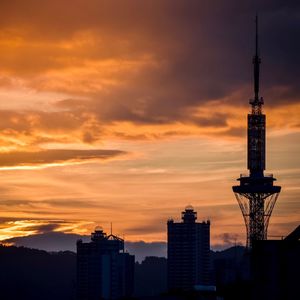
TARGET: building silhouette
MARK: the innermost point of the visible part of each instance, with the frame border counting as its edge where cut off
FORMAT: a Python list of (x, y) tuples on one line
[(104, 270), (188, 252), (275, 268), (256, 194)]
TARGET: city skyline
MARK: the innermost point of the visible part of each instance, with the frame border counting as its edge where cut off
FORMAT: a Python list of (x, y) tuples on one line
[(122, 115)]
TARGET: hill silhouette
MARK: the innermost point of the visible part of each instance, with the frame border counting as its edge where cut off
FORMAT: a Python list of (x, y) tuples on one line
[(60, 241), (36, 274)]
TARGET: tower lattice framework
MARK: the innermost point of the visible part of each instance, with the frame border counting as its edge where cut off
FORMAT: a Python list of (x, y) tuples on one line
[(256, 194)]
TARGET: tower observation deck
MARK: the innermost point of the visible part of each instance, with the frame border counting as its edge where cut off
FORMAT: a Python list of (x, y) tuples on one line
[(256, 194)]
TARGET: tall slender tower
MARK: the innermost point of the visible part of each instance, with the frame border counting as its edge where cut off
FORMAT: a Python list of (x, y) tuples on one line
[(256, 193)]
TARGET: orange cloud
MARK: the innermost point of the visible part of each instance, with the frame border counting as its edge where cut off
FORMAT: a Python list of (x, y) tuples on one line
[(15, 228), (54, 157)]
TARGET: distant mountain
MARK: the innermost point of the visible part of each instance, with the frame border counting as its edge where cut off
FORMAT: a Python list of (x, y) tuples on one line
[(236, 253), (142, 249), (59, 241), (50, 241)]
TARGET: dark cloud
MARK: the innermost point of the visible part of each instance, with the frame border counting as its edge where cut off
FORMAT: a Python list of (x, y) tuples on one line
[(176, 55), (43, 157), (43, 228)]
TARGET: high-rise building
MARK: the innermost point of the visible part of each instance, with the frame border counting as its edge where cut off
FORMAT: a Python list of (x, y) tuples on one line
[(104, 270), (188, 252), (256, 193)]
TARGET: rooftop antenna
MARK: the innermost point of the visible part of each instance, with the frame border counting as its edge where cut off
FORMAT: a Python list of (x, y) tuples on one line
[(111, 228), (256, 63)]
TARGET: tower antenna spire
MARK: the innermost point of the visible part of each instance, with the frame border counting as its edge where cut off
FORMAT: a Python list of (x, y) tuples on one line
[(256, 63), (256, 34)]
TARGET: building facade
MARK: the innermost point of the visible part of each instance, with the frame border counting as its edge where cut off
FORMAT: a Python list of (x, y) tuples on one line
[(104, 270), (188, 252), (275, 268)]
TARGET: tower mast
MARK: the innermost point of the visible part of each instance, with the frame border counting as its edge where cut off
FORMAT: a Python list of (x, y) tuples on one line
[(256, 63), (256, 194)]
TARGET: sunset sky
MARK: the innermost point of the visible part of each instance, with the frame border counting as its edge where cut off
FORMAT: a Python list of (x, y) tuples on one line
[(127, 111)]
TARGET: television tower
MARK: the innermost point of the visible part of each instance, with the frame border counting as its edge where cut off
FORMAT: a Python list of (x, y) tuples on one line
[(256, 194)]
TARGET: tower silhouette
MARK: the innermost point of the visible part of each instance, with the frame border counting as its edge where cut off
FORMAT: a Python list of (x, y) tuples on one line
[(256, 194)]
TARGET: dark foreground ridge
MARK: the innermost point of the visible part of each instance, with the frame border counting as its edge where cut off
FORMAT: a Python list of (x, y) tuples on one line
[(36, 274)]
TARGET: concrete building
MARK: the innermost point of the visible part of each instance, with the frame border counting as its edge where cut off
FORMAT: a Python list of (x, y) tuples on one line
[(104, 270), (276, 267), (188, 252)]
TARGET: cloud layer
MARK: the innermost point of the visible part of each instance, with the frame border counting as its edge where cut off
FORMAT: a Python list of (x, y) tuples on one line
[(55, 156), (169, 82), (150, 63)]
